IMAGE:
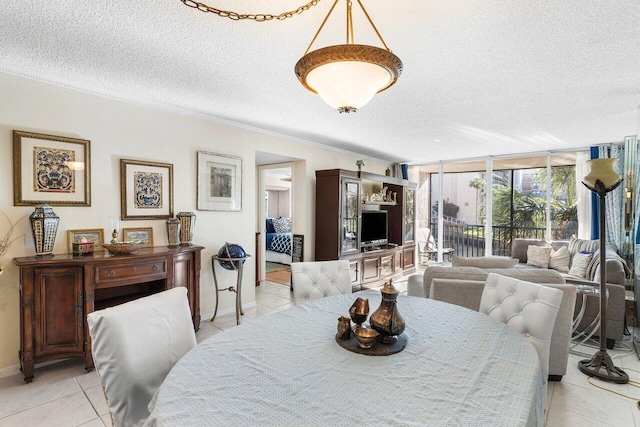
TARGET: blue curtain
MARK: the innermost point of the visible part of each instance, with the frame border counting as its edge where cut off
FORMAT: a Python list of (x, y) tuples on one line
[(595, 207)]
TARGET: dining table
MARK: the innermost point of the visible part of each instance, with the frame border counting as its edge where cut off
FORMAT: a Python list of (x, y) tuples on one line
[(459, 368)]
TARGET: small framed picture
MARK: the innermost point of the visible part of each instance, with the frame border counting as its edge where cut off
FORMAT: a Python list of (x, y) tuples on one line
[(146, 190), (219, 182), (50, 169), (95, 235), (145, 234)]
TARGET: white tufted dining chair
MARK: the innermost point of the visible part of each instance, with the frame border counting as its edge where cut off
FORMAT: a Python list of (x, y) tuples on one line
[(312, 280), (135, 345), (526, 307)]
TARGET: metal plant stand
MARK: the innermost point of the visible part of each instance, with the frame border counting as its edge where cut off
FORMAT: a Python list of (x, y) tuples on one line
[(237, 263)]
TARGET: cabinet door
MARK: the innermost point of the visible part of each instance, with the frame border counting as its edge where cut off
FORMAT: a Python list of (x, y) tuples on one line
[(370, 268), (386, 265), (409, 216), (58, 311), (409, 256), (350, 217)]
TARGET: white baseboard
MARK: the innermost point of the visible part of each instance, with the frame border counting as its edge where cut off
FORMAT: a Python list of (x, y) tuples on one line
[(230, 310)]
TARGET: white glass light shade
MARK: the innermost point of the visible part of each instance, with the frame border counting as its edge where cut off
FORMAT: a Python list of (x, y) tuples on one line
[(347, 76), (348, 83), (602, 169)]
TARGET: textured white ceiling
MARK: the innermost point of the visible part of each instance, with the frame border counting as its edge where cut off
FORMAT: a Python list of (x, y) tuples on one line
[(480, 76)]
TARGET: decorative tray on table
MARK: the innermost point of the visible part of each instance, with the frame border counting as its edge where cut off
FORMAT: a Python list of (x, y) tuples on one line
[(378, 349)]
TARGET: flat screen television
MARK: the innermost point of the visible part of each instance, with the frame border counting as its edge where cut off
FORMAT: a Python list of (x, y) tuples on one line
[(374, 228)]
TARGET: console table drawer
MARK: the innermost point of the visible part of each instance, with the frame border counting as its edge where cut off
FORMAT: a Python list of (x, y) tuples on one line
[(104, 275)]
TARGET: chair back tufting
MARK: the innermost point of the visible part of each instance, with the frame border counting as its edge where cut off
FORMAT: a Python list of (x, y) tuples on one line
[(526, 307), (312, 280)]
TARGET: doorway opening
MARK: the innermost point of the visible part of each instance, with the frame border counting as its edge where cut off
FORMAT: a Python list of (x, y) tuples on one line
[(278, 220)]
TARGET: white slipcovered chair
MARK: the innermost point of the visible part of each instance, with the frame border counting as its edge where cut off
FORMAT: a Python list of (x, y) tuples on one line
[(311, 280), (135, 345), (526, 307)]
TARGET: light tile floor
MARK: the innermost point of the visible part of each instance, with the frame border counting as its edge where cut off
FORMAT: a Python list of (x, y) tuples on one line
[(63, 394)]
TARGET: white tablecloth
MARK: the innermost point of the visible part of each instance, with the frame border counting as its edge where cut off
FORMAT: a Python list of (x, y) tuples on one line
[(459, 368)]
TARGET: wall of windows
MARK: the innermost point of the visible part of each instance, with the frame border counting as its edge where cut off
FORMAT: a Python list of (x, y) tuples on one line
[(527, 197)]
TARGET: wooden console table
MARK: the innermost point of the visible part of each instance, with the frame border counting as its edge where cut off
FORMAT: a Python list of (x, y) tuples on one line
[(57, 293)]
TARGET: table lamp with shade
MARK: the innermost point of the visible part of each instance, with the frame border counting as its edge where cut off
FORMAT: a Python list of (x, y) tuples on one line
[(602, 179)]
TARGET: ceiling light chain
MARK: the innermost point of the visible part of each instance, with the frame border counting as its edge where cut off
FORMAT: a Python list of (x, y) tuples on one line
[(259, 17)]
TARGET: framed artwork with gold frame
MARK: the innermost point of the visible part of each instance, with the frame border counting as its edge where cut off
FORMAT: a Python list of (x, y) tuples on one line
[(140, 233), (51, 169), (146, 190), (95, 235)]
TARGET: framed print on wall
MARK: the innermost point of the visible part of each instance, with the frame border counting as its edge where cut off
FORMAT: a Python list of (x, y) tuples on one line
[(51, 169), (95, 235), (219, 182), (146, 190), (145, 234)]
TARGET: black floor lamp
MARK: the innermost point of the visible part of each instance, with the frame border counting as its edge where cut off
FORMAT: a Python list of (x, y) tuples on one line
[(602, 179)]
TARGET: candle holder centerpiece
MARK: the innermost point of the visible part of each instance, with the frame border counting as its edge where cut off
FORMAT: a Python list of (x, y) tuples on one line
[(384, 334)]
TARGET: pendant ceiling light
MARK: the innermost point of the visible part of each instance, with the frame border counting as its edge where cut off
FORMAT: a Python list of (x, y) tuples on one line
[(347, 76)]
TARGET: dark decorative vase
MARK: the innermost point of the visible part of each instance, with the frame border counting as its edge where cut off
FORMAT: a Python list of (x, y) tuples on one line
[(386, 320), (187, 224), (44, 225), (173, 232)]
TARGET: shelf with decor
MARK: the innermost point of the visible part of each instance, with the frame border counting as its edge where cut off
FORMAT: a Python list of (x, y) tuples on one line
[(377, 237), (374, 203)]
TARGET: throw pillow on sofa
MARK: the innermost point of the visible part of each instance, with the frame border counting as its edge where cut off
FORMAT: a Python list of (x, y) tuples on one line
[(560, 260), (282, 225), (483, 262), (579, 264), (539, 256)]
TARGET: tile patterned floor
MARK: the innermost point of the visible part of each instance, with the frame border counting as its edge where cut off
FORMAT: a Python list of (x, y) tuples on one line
[(63, 394)]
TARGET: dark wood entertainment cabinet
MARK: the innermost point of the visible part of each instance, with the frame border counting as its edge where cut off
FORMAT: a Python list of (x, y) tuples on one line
[(57, 293), (340, 201)]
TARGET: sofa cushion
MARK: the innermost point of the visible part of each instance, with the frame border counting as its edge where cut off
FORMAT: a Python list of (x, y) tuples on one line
[(483, 262), (580, 245), (579, 263), (539, 256), (519, 248), (560, 260)]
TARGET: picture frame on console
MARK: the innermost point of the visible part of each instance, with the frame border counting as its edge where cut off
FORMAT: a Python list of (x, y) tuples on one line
[(51, 169), (146, 190), (145, 234), (95, 235), (219, 182)]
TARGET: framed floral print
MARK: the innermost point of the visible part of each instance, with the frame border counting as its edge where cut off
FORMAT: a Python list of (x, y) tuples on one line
[(95, 235), (219, 182), (50, 169), (146, 190), (144, 234)]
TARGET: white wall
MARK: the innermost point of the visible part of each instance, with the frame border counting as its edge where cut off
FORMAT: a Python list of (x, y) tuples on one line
[(121, 130)]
